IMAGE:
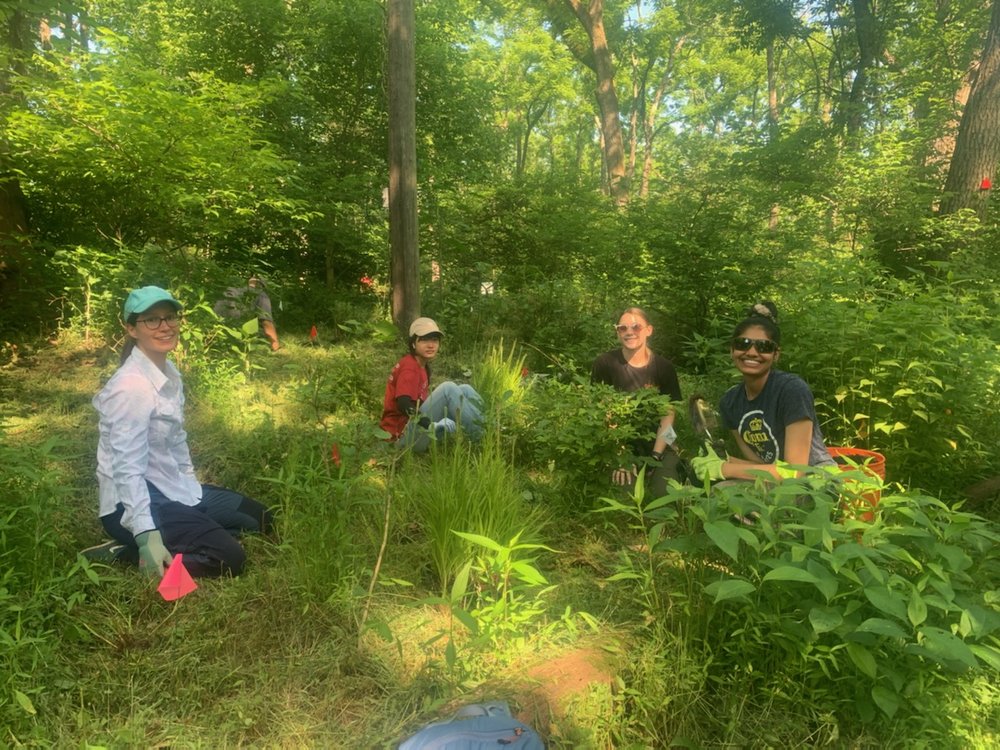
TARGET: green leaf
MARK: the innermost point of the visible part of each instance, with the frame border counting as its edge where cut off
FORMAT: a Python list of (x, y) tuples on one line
[(380, 627), (790, 573), (978, 621), (24, 702), (731, 588), (826, 582), (482, 541), (916, 609), (655, 534), (251, 327), (528, 573), (466, 619), (725, 536), (461, 584), (886, 699), (987, 654), (948, 647), (862, 659), (888, 601), (881, 626), (825, 619)]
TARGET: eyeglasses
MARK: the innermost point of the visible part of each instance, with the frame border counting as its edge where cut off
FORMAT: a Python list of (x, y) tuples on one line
[(635, 327), (152, 324), (763, 346)]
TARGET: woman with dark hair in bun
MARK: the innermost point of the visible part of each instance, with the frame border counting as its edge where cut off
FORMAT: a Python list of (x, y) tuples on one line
[(771, 412)]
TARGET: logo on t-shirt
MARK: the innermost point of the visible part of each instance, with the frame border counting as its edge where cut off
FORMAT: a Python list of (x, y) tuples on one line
[(756, 433)]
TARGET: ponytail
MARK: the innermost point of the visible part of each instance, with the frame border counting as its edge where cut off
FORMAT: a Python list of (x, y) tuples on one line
[(763, 314), (129, 341)]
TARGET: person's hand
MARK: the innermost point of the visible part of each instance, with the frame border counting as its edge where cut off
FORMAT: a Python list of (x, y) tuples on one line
[(708, 467), (153, 556), (444, 426), (623, 477)]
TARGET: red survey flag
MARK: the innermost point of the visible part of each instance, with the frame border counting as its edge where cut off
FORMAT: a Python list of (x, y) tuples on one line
[(176, 582)]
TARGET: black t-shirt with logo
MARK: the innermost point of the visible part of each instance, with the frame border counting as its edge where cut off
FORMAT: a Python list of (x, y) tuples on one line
[(761, 422)]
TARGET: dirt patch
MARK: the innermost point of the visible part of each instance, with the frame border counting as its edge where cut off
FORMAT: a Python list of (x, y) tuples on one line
[(555, 690)]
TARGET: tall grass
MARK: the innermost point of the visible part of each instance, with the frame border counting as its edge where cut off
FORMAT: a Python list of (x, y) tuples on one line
[(500, 379), (474, 488), (38, 595), (317, 524)]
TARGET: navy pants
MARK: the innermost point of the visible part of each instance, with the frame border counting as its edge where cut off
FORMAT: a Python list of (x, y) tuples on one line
[(205, 533)]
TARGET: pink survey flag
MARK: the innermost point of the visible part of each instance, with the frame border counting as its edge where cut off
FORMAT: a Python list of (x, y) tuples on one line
[(176, 582)]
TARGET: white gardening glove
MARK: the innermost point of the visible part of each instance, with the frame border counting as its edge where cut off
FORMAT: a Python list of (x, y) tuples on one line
[(444, 426)]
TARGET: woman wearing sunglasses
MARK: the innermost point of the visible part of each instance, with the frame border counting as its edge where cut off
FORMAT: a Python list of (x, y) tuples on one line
[(151, 503), (631, 368), (771, 413)]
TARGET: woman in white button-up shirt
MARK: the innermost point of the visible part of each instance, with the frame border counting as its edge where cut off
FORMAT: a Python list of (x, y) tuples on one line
[(150, 500)]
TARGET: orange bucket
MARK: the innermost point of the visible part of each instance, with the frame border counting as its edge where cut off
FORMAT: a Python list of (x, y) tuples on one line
[(872, 464)]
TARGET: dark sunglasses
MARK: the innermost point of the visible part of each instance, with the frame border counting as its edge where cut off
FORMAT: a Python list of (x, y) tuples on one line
[(763, 346), (636, 327)]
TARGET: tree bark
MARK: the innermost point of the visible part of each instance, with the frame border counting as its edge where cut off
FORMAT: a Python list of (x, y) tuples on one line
[(591, 17), (13, 205), (403, 232), (866, 32), (977, 146)]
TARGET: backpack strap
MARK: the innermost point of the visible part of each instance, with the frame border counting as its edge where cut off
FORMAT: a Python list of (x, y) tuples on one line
[(493, 708)]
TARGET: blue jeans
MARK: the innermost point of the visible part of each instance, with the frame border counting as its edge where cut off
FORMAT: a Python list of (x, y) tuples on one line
[(460, 403)]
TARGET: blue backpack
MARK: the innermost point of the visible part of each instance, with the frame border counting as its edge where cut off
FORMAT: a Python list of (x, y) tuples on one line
[(477, 727)]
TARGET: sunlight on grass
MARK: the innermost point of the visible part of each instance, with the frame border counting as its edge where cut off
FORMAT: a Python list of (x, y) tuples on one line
[(276, 658)]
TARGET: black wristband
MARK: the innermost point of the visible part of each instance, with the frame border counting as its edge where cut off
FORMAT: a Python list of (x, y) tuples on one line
[(657, 456)]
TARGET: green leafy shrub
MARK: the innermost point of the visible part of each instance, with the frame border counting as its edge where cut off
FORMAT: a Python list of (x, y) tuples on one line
[(583, 430), (500, 378), (867, 619), (506, 589), (906, 368)]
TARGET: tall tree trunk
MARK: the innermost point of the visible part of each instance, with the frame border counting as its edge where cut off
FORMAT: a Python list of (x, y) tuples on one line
[(13, 205), (977, 146), (772, 117), (866, 32), (591, 17), (405, 255)]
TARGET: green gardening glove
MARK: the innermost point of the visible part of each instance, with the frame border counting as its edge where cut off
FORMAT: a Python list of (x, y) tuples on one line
[(709, 467), (153, 556), (785, 471)]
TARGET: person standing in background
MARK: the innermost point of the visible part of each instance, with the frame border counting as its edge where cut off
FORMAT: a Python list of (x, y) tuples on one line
[(247, 301)]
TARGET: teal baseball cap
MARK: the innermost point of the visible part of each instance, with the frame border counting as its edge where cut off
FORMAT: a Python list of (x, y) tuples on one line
[(140, 300)]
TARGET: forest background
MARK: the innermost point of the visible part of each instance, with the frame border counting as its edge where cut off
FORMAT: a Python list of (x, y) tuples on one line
[(573, 158)]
